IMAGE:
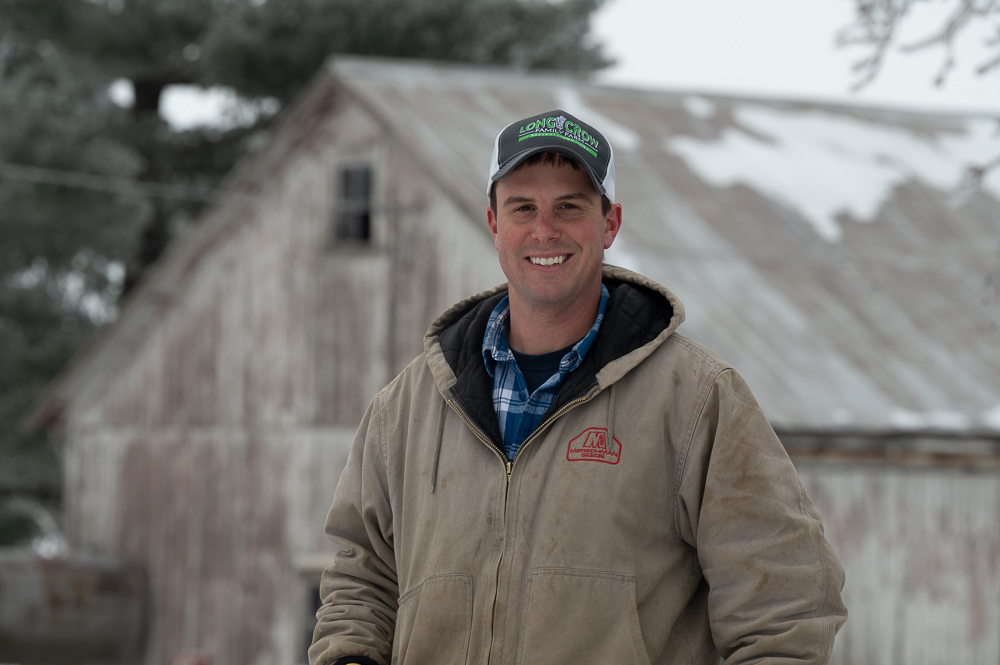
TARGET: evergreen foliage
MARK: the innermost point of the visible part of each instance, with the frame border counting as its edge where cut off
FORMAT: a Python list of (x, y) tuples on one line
[(67, 253)]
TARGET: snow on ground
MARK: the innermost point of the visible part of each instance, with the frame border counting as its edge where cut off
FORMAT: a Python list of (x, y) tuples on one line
[(824, 164)]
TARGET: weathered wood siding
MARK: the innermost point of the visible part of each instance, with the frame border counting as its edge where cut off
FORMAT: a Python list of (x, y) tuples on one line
[(278, 324), (921, 548), (211, 454), (215, 517)]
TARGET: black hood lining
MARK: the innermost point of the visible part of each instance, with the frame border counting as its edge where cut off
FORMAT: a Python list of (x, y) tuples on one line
[(462, 346), (634, 317)]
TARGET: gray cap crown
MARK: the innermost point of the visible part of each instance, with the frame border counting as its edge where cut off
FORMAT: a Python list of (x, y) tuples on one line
[(558, 132)]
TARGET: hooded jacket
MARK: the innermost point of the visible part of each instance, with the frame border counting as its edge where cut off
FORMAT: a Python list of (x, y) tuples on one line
[(653, 517)]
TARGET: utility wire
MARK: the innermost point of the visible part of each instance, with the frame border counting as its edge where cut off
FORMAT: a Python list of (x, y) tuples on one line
[(179, 191), (100, 183)]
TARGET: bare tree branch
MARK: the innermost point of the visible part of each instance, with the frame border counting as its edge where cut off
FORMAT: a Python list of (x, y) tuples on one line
[(875, 27), (972, 181), (878, 23), (946, 35), (992, 63)]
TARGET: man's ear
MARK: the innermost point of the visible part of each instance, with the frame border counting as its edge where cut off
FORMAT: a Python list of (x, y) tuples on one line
[(491, 221), (612, 224)]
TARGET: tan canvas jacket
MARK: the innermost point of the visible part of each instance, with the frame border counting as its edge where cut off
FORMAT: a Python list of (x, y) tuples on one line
[(653, 517)]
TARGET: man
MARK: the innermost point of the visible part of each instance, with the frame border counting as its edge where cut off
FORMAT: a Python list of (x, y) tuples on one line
[(560, 477)]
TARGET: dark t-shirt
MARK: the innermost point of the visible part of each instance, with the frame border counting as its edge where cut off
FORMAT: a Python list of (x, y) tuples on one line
[(538, 369)]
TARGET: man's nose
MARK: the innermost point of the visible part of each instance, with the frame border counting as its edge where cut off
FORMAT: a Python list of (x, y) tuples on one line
[(546, 227)]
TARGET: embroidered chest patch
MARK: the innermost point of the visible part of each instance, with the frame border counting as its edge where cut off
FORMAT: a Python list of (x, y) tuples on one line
[(592, 445)]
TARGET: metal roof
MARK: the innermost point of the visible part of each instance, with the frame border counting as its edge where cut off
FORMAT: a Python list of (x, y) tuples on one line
[(827, 251)]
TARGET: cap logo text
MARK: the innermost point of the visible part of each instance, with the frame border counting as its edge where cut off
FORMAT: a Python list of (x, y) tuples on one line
[(560, 127)]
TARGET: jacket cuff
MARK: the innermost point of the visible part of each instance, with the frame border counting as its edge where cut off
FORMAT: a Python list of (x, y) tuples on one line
[(360, 660)]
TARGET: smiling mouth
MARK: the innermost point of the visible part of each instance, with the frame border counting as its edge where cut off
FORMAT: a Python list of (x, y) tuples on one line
[(548, 261)]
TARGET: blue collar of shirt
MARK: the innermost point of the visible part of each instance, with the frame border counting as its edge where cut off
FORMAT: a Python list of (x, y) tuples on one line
[(496, 349)]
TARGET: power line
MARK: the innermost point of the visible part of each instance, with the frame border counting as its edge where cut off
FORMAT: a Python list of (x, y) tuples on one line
[(175, 191), (108, 184)]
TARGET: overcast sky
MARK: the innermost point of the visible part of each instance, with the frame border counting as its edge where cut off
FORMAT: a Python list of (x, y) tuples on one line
[(782, 47)]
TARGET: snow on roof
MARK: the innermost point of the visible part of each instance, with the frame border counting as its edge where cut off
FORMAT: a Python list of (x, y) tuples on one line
[(824, 164)]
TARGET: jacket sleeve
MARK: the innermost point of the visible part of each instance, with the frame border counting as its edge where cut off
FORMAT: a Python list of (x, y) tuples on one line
[(774, 581), (359, 591)]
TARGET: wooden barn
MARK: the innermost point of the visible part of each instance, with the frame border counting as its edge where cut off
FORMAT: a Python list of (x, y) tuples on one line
[(830, 253)]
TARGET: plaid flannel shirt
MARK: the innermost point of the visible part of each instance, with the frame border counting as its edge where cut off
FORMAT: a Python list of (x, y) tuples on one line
[(518, 413)]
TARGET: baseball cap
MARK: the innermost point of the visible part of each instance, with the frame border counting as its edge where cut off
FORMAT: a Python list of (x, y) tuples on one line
[(559, 132)]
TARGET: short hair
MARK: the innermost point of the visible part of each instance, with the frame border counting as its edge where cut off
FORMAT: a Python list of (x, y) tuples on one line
[(555, 159)]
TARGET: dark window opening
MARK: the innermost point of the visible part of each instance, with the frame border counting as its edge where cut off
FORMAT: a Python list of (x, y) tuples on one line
[(353, 208)]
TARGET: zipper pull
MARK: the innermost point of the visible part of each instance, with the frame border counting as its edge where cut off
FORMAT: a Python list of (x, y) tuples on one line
[(508, 472)]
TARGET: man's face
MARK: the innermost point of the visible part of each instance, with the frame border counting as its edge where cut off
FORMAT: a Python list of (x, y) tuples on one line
[(551, 235)]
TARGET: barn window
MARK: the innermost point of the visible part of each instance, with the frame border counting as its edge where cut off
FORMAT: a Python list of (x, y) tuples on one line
[(352, 210)]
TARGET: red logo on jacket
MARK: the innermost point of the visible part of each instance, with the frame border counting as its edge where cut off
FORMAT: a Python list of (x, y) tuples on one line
[(593, 446)]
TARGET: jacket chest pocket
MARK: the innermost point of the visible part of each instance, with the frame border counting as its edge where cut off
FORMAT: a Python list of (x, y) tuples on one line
[(580, 616), (434, 622)]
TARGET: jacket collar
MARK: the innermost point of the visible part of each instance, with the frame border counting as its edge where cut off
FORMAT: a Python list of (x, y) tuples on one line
[(641, 314)]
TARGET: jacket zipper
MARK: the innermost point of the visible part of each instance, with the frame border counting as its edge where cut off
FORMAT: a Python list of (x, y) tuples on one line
[(509, 467), (482, 437), (496, 582), (545, 424)]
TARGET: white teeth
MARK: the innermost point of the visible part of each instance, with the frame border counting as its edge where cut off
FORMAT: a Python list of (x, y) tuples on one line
[(551, 261)]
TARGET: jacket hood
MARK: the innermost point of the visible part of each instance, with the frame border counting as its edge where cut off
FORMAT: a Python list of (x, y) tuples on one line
[(641, 314), (681, 535)]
